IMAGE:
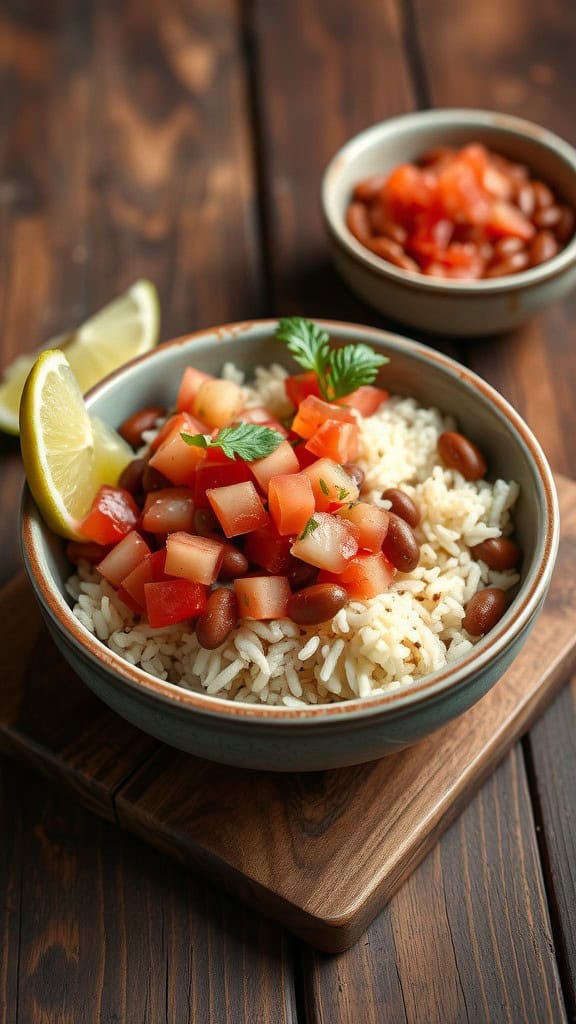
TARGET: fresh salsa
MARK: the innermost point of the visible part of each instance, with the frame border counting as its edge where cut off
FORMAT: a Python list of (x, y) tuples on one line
[(230, 514), (463, 213)]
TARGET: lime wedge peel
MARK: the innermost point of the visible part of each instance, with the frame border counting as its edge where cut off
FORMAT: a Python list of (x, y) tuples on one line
[(67, 456), (125, 328)]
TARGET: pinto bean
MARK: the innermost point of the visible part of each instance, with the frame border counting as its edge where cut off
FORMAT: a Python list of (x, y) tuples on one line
[(355, 473), (484, 610), (370, 188), (526, 199), (506, 246), (543, 247), (218, 619), (498, 553), (564, 229), (511, 264), (145, 419), (316, 604), (543, 196), (400, 545), (358, 221), (459, 452), (392, 252), (402, 505), (547, 217)]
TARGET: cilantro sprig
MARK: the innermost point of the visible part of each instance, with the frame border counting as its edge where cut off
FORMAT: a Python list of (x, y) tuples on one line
[(247, 440), (339, 370)]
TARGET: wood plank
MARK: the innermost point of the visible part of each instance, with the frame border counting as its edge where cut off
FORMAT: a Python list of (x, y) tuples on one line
[(10, 890), (454, 947), (111, 931)]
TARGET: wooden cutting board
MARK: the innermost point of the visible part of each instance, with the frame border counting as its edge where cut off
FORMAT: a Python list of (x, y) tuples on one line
[(319, 852)]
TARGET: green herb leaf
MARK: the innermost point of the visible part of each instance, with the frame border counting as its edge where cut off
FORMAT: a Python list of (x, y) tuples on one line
[(339, 371), (324, 487), (343, 494), (248, 440), (311, 525)]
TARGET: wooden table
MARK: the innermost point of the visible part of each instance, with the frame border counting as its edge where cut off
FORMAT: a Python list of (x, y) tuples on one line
[(185, 142)]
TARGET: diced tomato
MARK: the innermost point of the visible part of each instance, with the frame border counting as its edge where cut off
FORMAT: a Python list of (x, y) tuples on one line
[(87, 551), (372, 523), (112, 515), (299, 385), (460, 193), (291, 502), (129, 601), (329, 543), (123, 558), (283, 460), (175, 459), (171, 601), (268, 549), (366, 576), (168, 510), (182, 421), (194, 558), (305, 458), (218, 402), (209, 475), (150, 570), (337, 441), (262, 597), (259, 414), (505, 219), (331, 485), (409, 190), (190, 384), (238, 508), (365, 400), (313, 412)]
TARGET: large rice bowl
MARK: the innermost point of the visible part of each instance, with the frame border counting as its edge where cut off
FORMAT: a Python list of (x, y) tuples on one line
[(370, 647)]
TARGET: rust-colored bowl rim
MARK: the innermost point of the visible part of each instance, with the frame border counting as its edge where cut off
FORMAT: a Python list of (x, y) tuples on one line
[(487, 650), (379, 269)]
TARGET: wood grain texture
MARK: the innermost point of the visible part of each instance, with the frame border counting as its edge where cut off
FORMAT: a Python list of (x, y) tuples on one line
[(285, 844), (455, 946)]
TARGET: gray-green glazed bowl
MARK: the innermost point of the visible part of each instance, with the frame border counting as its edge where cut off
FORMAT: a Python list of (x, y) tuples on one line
[(466, 308), (328, 736)]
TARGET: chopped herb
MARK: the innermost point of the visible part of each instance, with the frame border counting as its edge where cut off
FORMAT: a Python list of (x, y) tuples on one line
[(339, 371), (342, 494), (311, 525), (324, 486), (248, 440)]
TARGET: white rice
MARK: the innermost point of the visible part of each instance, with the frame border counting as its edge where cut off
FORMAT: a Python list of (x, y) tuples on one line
[(369, 647)]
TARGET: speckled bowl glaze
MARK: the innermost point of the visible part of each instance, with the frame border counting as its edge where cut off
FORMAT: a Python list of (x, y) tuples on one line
[(328, 736), (466, 308)]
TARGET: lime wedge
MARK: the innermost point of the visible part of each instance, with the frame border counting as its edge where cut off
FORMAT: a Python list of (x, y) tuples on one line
[(122, 330), (67, 455)]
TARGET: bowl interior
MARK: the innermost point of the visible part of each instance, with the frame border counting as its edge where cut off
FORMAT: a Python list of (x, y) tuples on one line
[(413, 370), (381, 148)]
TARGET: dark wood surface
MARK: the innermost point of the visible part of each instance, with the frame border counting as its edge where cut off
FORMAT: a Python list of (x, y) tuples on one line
[(185, 142)]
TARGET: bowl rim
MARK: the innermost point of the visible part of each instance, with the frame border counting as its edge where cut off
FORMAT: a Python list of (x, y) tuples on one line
[(506, 124), (427, 688)]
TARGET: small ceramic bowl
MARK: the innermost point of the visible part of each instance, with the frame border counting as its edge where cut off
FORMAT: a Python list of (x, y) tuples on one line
[(322, 736), (455, 307)]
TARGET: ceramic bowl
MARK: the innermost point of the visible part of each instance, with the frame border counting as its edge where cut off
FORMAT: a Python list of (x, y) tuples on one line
[(459, 307), (318, 737)]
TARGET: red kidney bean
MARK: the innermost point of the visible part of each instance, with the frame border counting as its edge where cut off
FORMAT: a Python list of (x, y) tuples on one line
[(547, 217), (526, 199), (316, 604), (400, 545), (153, 480), (206, 523), (370, 188), (234, 562), (484, 610), (132, 474), (543, 247), (511, 264), (459, 452), (506, 246), (218, 619), (382, 225), (145, 419), (564, 229), (392, 252), (356, 474), (358, 222), (301, 574), (498, 553), (543, 196), (402, 505)]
